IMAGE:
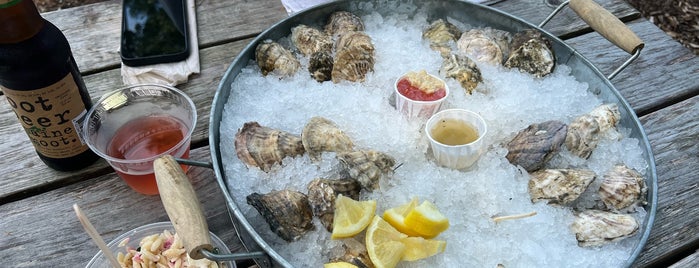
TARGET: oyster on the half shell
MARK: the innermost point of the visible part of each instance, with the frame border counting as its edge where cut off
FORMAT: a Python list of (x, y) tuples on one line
[(596, 227), (559, 186), (366, 166), (622, 187), (287, 212), (532, 147), (262, 147)]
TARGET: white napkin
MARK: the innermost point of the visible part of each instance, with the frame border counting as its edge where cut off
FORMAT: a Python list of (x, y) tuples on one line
[(173, 73), (293, 6)]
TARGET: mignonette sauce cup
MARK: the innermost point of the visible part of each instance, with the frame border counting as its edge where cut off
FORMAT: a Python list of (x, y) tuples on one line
[(448, 134), (132, 126), (412, 108)]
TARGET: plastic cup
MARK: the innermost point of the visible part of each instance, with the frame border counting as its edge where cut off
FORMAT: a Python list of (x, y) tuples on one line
[(456, 156), (132, 126), (417, 108), (136, 235)]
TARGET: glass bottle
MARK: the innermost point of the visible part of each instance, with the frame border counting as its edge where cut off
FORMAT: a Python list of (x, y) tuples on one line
[(42, 84)]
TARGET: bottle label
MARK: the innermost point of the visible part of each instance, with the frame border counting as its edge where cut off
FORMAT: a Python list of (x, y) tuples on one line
[(51, 117)]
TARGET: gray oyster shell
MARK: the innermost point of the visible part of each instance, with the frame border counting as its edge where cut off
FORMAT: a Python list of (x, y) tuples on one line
[(272, 57), (532, 147), (354, 57), (585, 130), (531, 53), (322, 194), (481, 46), (622, 187), (462, 69), (320, 66), (596, 227), (559, 186), (309, 40), (263, 147), (367, 167), (441, 34), (322, 135), (343, 21), (287, 212), (354, 252)]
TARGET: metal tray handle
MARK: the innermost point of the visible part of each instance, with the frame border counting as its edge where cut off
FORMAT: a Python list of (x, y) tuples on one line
[(606, 24)]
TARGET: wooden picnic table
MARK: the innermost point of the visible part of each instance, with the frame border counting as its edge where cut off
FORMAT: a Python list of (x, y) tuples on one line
[(39, 229)]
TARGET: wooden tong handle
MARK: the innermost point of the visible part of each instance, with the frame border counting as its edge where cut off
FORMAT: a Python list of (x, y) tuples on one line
[(607, 25), (182, 206)]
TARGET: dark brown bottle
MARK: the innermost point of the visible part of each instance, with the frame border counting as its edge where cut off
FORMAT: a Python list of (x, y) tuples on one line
[(42, 84)]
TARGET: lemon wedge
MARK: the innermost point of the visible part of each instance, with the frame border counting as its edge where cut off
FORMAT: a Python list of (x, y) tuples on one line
[(417, 248), (351, 216), (383, 243), (339, 264), (426, 220), (396, 216)]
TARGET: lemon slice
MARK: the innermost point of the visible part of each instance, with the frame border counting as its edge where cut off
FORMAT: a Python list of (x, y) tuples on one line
[(396, 216), (426, 220), (339, 264), (417, 248), (351, 216), (383, 243)]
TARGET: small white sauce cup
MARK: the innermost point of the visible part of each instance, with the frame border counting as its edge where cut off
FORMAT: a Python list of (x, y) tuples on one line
[(460, 157), (418, 109)]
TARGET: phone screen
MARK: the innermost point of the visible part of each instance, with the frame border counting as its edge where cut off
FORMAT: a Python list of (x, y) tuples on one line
[(153, 31)]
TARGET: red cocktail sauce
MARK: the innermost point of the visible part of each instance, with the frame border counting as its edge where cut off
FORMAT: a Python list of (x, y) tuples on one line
[(405, 88)]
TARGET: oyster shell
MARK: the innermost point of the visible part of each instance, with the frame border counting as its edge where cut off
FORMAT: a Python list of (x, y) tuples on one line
[(531, 53), (440, 34), (559, 186), (263, 147), (584, 131), (481, 46), (322, 194), (463, 70), (367, 167), (352, 64), (320, 66), (322, 135), (272, 57), (352, 39), (310, 40), (622, 187), (343, 21), (354, 252), (287, 212), (532, 147), (596, 227)]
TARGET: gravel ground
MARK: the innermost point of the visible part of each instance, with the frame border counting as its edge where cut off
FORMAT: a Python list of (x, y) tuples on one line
[(678, 18)]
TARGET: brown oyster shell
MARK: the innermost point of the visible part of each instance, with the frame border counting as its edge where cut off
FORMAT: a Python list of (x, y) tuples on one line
[(441, 34), (367, 167), (354, 252), (272, 57), (584, 131), (531, 53), (343, 21), (463, 70), (622, 187), (481, 46), (322, 194), (310, 40), (559, 186), (287, 212), (354, 39), (322, 135), (532, 147), (352, 64), (320, 66), (596, 227), (263, 147)]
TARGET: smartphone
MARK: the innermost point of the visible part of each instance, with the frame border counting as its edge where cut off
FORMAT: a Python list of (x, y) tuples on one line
[(153, 31)]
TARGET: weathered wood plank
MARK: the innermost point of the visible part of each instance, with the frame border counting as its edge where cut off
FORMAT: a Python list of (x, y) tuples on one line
[(21, 165), (94, 30), (665, 73), (673, 135), (689, 261), (25, 224)]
